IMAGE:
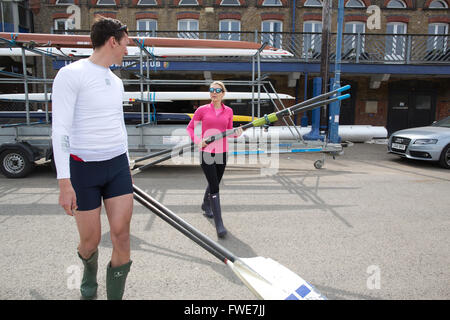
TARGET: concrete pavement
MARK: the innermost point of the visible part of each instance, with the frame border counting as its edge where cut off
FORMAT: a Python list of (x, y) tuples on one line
[(367, 226)]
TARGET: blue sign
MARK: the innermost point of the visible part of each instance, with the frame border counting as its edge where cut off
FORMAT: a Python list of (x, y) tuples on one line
[(126, 64)]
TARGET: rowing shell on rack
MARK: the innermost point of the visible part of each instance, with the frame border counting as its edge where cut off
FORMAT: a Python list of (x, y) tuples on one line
[(155, 51), (155, 96), (84, 41)]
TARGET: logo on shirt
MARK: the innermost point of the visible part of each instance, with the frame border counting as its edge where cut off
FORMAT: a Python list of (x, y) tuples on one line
[(108, 82)]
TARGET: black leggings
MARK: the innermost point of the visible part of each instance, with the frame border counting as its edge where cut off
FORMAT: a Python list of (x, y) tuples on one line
[(213, 166)]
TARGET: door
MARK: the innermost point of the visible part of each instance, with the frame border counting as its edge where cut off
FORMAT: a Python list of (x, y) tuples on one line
[(347, 111), (398, 111), (411, 107)]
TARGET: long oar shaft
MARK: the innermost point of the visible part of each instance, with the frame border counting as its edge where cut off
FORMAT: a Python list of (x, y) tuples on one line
[(284, 111), (221, 252), (276, 115), (256, 123), (174, 224)]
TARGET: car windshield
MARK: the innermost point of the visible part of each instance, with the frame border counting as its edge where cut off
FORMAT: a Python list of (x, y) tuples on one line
[(443, 123)]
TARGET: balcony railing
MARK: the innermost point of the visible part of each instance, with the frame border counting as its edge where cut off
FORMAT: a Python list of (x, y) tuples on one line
[(356, 48)]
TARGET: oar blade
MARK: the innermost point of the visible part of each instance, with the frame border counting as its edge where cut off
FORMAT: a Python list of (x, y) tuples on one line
[(269, 280)]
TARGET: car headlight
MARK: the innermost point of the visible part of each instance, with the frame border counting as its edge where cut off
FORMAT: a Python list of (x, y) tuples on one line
[(426, 141)]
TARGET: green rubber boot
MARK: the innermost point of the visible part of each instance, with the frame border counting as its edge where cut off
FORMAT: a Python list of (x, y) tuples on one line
[(89, 284), (115, 280)]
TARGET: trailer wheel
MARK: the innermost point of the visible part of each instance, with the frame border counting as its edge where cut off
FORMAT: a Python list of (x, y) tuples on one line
[(318, 164), (14, 163)]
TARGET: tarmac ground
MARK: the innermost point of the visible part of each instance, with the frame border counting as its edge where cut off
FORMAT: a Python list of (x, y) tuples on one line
[(366, 226)]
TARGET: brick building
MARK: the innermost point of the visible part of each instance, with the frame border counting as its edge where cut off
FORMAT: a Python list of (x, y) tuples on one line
[(398, 65)]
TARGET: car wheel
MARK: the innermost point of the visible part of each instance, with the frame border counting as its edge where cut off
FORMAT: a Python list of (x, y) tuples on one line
[(15, 164), (444, 161)]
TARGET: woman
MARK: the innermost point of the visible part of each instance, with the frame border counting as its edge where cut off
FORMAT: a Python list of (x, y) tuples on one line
[(215, 118)]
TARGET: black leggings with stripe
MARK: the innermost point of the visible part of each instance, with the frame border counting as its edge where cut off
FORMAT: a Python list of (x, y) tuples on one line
[(213, 166)]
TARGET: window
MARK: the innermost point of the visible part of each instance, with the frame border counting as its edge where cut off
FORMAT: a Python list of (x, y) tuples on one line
[(395, 4), (313, 3), (350, 41), (106, 3), (230, 25), (312, 39), (147, 3), (147, 25), (61, 26), (188, 2), (438, 4), (440, 40), (270, 32), (230, 3), (24, 17), (355, 4), (65, 2), (395, 44), (188, 28), (272, 3)]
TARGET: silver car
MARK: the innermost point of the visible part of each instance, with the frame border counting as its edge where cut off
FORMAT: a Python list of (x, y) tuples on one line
[(431, 143)]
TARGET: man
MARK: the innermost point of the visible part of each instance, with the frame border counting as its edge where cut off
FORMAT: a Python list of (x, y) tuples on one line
[(91, 154)]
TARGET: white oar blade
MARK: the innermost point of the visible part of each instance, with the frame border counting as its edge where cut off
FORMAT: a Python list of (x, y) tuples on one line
[(269, 280)]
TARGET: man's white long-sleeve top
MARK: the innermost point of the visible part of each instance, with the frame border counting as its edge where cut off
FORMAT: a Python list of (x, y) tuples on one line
[(87, 115)]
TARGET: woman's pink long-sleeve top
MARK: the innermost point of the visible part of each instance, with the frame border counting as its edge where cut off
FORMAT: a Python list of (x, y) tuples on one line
[(212, 124)]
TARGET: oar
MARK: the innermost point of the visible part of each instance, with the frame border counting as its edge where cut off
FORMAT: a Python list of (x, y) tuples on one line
[(256, 123), (266, 278)]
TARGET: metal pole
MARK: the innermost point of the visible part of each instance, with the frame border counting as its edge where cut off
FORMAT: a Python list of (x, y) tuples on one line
[(337, 68), (253, 88), (148, 89), (258, 58), (3, 19), (325, 52), (25, 82), (141, 85), (44, 74), (333, 120)]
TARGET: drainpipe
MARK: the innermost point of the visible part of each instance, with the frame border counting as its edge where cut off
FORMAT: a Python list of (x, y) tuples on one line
[(293, 16)]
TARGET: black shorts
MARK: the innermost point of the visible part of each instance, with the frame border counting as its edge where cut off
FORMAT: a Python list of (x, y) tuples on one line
[(95, 180)]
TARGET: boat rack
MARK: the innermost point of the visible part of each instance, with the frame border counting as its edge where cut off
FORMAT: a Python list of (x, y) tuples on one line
[(23, 144)]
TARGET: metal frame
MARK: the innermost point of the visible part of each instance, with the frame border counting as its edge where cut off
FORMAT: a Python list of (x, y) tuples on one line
[(145, 136)]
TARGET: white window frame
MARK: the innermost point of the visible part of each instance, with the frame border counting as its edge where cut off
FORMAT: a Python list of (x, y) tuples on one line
[(147, 4), (188, 4), (398, 42), (192, 34), (68, 25), (147, 27), (278, 4), (433, 43), (360, 4), (273, 38), (64, 3), (350, 41), (237, 4), (401, 1), (106, 4), (439, 1), (307, 4), (229, 36), (312, 43)]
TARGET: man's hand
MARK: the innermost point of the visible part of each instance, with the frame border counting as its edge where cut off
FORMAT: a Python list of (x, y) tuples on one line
[(67, 196)]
